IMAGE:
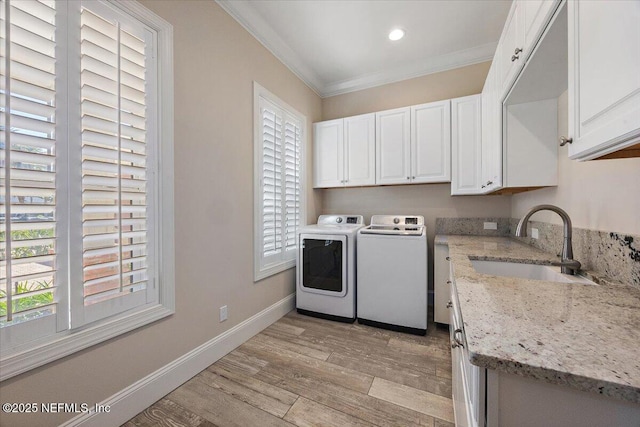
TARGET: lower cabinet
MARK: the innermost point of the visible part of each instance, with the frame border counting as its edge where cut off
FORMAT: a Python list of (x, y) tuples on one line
[(441, 289), (484, 397)]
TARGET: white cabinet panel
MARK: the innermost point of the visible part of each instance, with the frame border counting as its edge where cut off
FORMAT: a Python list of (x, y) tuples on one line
[(511, 47), (604, 76), (536, 13), (328, 154), (344, 152), (491, 178), (466, 140), (431, 142), (393, 146), (441, 286), (360, 152)]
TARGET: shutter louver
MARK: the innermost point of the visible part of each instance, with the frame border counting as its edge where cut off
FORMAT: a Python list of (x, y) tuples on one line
[(280, 197), (27, 160), (272, 182), (114, 156), (292, 183)]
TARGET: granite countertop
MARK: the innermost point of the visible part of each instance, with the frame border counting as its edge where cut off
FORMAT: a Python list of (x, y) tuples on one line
[(582, 336)]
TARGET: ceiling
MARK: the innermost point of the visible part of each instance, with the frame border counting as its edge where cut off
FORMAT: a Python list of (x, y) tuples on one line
[(340, 46)]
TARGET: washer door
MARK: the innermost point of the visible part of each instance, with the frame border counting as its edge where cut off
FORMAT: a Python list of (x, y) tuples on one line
[(323, 264)]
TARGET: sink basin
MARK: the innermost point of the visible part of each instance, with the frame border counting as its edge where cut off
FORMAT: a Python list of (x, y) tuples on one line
[(527, 271)]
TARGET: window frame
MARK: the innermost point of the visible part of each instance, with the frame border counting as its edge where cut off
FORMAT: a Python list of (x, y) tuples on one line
[(24, 357), (263, 270)]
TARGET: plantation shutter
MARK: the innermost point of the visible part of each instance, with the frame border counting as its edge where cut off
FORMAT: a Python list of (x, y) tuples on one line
[(292, 135), (280, 136), (29, 290), (272, 181), (115, 192)]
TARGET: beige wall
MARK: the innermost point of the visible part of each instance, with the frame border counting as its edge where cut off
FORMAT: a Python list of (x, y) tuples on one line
[(599, 195), (216, 61), (430, 200), (433, 87)]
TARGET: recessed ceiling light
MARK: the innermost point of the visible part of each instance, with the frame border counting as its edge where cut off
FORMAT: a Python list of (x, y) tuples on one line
[(396, 34)]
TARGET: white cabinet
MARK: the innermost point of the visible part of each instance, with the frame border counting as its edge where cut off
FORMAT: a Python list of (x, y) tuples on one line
[(441, 289), (510, 50), (467, 380), (328, 154), (604, 77), (359, 150), (536, 14), (344, 152), (393, 146), (413, 144), (466, 141), (491, 178), (431, 142)]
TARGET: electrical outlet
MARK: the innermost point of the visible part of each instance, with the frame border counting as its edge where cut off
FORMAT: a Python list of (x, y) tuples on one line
[(490, 225), (534, 233), (223, 313)]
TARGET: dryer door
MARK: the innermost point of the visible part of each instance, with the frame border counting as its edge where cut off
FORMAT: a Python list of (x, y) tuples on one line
[(323, 264)]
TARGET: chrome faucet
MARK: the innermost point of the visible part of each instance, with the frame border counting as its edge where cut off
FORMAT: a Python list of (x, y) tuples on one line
[(568, 265)]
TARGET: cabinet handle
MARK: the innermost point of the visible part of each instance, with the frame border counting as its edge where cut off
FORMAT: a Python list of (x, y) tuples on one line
[(448, 259), (413, 177), (482, 186), (456, 341), (408, 177), (489, 183), (514, 57), (449, 304), (518, 50), (448, 282), (564, 141)]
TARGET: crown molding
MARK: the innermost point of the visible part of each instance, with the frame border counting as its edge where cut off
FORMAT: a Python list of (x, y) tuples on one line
[(264, 33), (260, 29), (419, 68)]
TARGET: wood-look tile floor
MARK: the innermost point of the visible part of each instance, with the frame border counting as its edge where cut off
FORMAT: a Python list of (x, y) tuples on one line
[(303, 371)]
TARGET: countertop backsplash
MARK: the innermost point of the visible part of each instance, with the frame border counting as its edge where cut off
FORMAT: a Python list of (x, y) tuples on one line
[(472, 226), (610, 255), (615, 256)]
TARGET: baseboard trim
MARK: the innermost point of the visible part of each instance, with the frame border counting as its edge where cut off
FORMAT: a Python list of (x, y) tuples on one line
[(132, 400)]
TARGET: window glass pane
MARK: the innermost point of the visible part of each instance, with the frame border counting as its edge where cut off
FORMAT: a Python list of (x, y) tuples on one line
[(27, 162)]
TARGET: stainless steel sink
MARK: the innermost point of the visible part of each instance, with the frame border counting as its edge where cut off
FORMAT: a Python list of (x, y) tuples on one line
[(527, 271)]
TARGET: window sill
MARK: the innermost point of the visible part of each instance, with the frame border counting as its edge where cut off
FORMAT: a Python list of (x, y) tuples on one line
[(19, 361), (272, 269)]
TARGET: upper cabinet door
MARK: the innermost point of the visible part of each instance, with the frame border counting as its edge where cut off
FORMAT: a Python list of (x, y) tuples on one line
[(535, 15), (360, 150), (466, 140), (431, 142), (328, 154), (604, 77), (392, 146), (491, 177), (511, 47)]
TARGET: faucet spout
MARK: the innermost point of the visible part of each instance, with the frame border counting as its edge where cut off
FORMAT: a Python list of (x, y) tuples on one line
[(568, 264)]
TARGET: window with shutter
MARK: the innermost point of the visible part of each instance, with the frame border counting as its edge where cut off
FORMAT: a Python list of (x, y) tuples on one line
[(28, 282), (114, 53), (278, 198), (84, 210)]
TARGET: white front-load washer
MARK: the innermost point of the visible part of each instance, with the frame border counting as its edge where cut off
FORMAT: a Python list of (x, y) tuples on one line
[(326, 267), (392, 273)]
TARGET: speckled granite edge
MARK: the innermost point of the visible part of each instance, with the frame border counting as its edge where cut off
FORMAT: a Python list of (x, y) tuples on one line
[(568, 334), (613, 257)]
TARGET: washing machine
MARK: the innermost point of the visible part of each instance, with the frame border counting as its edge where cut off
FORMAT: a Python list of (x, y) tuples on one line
[(392, 273), (326, 267)]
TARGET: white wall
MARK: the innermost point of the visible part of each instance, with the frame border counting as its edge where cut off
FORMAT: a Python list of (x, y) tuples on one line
[(599, 195), (216, 61)]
